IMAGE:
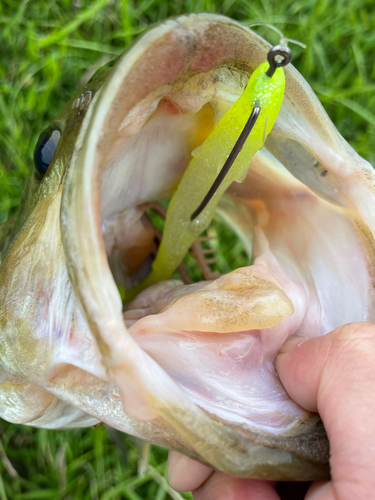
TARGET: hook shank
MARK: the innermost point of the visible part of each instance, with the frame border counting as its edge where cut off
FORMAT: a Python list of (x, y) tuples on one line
[(229, 162)]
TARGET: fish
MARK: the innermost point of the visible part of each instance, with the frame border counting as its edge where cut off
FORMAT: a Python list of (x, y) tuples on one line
[(187, 366)]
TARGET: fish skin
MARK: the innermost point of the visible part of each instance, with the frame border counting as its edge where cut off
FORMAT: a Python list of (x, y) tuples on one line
[(63, 337)]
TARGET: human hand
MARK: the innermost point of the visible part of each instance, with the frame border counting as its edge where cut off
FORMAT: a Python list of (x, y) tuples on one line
[(335, 376)]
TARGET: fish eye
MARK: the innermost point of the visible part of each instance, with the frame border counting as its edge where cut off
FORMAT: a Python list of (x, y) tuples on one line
[(44, 151)]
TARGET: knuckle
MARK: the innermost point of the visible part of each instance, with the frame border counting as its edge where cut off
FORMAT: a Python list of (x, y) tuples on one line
[(350, 350), (353, 339)]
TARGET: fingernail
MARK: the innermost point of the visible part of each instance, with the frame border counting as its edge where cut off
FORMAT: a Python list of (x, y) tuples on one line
[(292, 343)]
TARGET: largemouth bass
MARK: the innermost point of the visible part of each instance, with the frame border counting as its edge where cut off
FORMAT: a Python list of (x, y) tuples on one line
[(186, 366)]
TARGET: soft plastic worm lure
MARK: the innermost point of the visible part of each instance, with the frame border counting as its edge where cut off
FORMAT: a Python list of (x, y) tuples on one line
[(224, 157)]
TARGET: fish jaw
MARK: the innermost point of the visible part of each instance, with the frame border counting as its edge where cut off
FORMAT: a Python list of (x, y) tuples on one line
[(98, 167), (105, 371)]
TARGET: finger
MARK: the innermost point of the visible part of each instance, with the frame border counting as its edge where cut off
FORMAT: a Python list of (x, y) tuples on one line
[(223, 487), (335, 375), (321, 490), (185, 474)]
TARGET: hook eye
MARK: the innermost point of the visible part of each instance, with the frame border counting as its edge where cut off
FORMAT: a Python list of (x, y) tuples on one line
[(278, 57)]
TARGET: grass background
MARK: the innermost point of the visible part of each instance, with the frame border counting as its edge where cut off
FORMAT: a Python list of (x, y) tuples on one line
[(48, 50)]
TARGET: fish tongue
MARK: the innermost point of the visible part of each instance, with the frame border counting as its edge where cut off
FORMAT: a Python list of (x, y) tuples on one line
[(246, 299)]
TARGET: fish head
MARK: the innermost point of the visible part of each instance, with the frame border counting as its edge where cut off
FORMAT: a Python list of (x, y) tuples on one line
[(186, 366)]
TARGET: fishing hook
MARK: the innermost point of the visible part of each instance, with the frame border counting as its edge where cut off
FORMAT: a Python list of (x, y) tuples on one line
[(229, 162), (278, 56)]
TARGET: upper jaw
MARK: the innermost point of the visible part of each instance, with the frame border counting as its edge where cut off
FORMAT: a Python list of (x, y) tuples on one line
[(302, 137)]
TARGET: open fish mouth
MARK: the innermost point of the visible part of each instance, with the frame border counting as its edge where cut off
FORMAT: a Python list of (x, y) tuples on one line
[(191, 366)]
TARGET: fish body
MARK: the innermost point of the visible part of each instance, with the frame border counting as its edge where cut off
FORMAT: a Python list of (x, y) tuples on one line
[(188, 367)]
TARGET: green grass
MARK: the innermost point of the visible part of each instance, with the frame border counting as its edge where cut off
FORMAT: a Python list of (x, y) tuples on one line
[(47, 51), (78, 464)]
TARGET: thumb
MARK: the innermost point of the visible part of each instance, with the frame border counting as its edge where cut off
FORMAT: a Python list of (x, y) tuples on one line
[(317, 371), (299, 367), (335, 375)]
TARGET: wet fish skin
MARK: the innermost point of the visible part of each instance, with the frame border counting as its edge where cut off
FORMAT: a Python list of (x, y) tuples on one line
[(66, 357)]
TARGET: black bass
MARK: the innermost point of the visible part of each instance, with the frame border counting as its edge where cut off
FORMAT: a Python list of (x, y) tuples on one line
[(186, 366)]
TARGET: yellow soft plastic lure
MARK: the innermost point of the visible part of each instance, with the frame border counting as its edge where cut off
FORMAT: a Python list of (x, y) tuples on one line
[(181, 229)]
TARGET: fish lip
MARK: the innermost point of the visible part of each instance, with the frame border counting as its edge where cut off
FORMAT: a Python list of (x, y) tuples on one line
[(87, 261)]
